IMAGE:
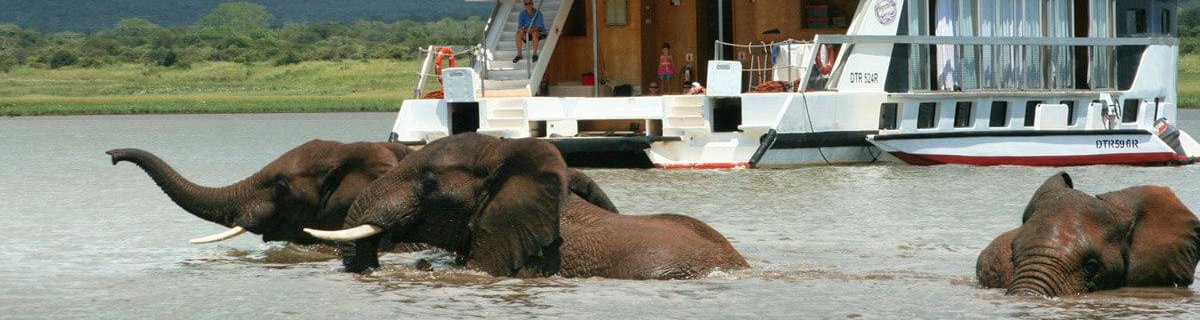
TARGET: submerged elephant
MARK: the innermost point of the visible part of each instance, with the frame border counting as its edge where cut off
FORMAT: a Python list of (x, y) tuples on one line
[(1070, 242), (309, 186), (513, 208)]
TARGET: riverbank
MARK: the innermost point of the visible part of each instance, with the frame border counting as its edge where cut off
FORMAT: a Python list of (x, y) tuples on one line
[(223, 87), (220, 87)]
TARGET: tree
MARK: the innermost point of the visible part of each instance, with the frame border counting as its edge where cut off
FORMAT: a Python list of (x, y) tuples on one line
[(136, 31), (237, 17)]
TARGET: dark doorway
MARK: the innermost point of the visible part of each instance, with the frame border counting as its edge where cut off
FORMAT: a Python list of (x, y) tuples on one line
[(707, 32), (464, 117), (1081, 52)]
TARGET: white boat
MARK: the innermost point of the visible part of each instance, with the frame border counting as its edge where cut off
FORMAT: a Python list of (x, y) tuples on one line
[(921, 81)]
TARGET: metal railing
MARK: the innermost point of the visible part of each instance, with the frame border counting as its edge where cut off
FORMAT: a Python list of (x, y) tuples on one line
[(431, 53), (981, 63), (763, 58)]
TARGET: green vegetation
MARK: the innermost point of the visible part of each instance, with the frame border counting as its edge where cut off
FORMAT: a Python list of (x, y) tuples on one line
[(89, 16), (233, 32), (210, 87), (1189, 81)]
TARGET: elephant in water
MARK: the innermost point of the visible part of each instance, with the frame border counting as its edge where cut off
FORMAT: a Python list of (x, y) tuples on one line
[(310, 186), (1070, 242), (513, 208)]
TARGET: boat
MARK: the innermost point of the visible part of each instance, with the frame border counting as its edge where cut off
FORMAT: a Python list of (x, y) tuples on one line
[(1027, 82)]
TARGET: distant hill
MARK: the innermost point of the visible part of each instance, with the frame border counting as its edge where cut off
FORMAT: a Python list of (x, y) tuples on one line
[(92, 15)]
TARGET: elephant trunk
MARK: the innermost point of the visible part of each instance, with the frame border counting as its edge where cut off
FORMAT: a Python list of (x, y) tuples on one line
[(1041, 275), (219, 205)]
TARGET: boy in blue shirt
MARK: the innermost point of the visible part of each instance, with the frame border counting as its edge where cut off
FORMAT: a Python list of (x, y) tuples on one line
[(529, 25)]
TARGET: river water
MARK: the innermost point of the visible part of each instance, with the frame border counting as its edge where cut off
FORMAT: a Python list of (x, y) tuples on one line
[(80, 238)]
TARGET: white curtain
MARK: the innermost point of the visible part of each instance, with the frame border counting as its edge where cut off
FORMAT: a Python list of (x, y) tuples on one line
[(1007, 23), (1100, 73), (987, 54), (918, 78), (1058, 24), (969, 54), (1030, 64), (947, 58)]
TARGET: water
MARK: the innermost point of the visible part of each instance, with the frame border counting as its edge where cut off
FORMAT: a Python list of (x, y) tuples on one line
[(80, 238)]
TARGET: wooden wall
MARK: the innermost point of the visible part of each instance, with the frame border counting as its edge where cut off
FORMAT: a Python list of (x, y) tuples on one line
[(620, 50), (629, 53)]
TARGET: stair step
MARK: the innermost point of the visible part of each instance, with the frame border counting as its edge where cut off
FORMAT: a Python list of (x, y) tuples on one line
[(674, 122)]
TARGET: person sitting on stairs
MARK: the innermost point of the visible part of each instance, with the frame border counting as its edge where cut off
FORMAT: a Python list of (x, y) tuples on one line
[(529, 26)]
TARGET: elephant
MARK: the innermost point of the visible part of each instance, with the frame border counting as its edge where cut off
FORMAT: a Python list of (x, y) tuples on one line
[(1071, 243), (513, 208), (309, 186)]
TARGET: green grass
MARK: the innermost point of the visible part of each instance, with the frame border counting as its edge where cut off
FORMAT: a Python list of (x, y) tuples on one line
[(375, 85), (1189, 81)]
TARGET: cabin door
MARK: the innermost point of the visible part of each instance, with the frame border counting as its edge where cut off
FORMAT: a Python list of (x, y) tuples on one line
[(707, 32)]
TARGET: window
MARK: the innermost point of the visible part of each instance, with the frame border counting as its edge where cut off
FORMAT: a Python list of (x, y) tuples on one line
[(963, 114), (887, 116), (1070, 112), (1135, 21), (1030, 111), (1166, 22), (999, 117), (616, 12), (1129, 111), (927, 115)]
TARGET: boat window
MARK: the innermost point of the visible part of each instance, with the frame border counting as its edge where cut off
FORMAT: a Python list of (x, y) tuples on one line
[(999, 117), (1135, 21), (887, 116), (1070, 111), (1030, 111), (616, 12), (963, 114), (927, 115), (1166, 22), (1129, 111)]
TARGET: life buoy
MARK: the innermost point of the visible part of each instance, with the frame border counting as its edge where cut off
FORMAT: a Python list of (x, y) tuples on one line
[(825, 59), (441, 55)]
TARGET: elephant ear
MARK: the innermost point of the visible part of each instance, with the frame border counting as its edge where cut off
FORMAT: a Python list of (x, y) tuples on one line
[(583, 186), (1164, 236), (1049, 189), (528, 190)]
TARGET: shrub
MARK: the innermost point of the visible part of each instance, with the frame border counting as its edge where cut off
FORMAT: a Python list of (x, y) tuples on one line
[(61, 58), (287, 59)]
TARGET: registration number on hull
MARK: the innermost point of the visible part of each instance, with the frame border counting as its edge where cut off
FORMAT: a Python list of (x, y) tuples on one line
[(1117, 144)]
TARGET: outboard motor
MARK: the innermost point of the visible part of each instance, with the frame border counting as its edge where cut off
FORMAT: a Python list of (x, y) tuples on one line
[(1109, 111), (1169, 134)]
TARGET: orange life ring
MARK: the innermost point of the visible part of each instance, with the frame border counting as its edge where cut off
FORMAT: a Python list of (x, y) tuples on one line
[(441, 54), (825, 60)]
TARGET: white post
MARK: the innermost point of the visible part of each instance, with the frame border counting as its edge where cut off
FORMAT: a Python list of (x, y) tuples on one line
[(595, 52)]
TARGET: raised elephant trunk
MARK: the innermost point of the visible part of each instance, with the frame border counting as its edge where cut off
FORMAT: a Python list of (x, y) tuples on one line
[(218, 205)]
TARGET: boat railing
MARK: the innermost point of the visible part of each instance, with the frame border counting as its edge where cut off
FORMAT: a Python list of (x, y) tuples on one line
[(430, 54), (990, 63), (765, 63)]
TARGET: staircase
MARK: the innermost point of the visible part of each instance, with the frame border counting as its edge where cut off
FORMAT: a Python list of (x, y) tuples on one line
[(505, 118), (685, 114), (503, 77)]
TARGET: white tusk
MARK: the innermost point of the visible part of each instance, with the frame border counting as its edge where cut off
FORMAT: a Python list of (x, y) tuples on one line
[(232, 232), (351, 234)]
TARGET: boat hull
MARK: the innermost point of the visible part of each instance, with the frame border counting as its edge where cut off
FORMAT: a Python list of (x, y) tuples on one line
[(1030, 148)]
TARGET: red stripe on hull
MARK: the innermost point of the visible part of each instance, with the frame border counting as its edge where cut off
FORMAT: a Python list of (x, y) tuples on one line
[(705, 166), (1045, 161)]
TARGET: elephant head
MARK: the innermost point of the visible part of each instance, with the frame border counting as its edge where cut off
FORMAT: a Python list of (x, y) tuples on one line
[(309, 186), (495, 203), (1070, 242)]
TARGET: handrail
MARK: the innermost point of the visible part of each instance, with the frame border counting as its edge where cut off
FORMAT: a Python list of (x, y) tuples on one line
[(430, 55), (751, 46), (487, 28)]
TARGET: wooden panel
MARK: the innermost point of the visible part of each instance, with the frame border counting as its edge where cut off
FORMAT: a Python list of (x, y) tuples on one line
[(620, 56)]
